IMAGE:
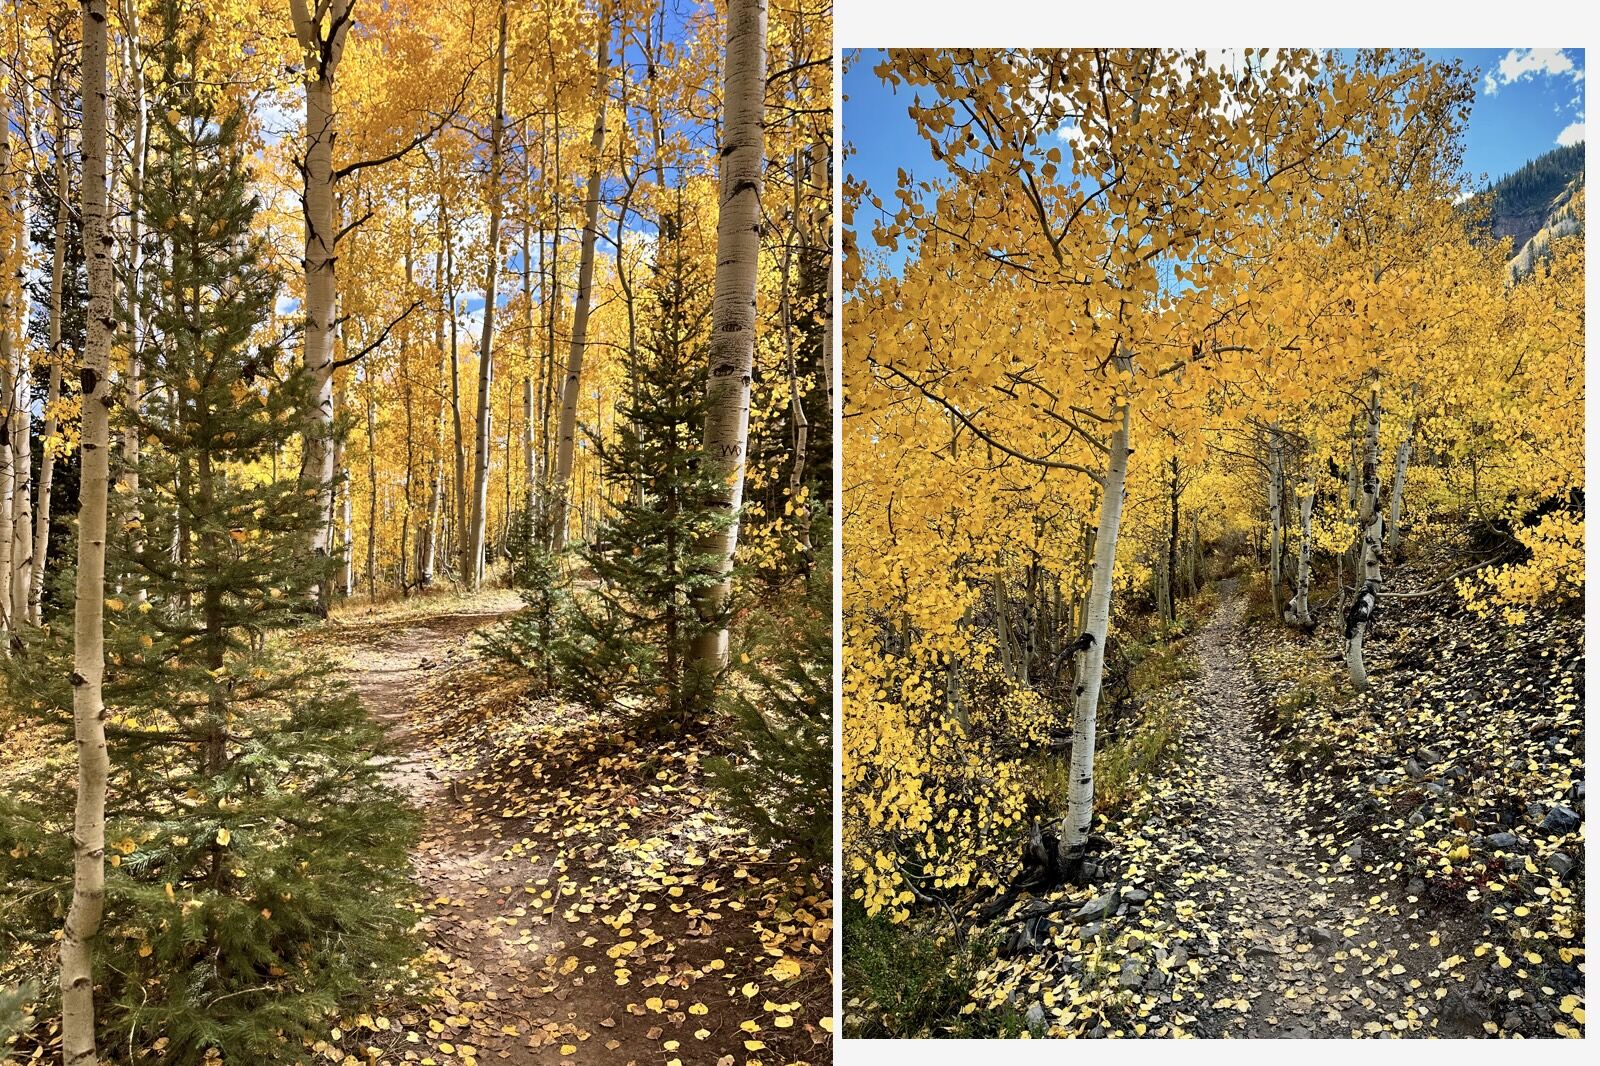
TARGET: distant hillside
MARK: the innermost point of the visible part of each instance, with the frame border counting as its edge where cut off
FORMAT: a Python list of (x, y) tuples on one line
[(1531, 205)]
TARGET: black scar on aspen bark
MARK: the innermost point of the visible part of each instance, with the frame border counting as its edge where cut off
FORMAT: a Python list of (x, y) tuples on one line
[(87, 379), (78, 679)]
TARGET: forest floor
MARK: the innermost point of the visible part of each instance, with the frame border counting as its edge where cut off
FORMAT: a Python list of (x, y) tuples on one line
[(583, 900), (1309, 958), (1301, 860)]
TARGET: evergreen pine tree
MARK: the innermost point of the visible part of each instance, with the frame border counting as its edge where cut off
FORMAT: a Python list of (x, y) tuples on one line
[(777, 778), (257, 860), (631, 634), (531, 639)]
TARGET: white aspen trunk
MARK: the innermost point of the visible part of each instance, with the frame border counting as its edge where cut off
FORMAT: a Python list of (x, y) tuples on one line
[(566, 432), (472, 561), (1275, 510), (20, 573), (1091, 654), (428, 541), (530, 489), (1402, 461), (733, 306), (1370, 575), (321, 30), (1301, 607), (11, 275), (88, 644)]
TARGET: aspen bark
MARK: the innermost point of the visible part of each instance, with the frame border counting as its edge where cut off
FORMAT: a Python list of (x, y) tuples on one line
[(1402, 461), (566, 433), (472, 558), (11, 274), (88, 644), (733, 307), (1275, 511), (1370, 575), (1300, 607), (1089, 668), (320, 29)]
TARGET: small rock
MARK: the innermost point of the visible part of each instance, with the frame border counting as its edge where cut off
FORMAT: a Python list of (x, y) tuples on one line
[(1561, 820), (1413, 768), (1429, 756), (1261, 951), (1035, 1016), (1415, 886), (1503, 841), (1131, 976), (1561, 863), (1099, 907), (1434, 788), (1090, 930), (1416, 818), (1321, 936), (1134, 896), (1577, 795), (1355, 852)]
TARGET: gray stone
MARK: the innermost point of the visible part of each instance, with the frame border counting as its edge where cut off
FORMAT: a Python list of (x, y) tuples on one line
[(1416, 818), (1503, 841), (1321, 936), (1091, 930), (1035, 1016), (1561, 863), (1134, 895), (1561, 820), (1429, 756), (1577, 794), (1434, 788), (1415, 886), (1099, 907), (1132, 975), (1355, 852), (1413, 768)]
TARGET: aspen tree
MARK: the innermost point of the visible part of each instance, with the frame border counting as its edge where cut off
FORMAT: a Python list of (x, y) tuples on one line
[(321, 29), (472, 558), (1369, 576), (88, 660), (566, 433), (733, 307)]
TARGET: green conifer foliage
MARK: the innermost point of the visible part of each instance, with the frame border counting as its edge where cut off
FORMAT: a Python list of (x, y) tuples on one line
[(629, 642), (258, 861), (777, 775)]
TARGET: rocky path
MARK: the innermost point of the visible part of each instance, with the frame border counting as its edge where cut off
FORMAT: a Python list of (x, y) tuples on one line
[(1301, 952)]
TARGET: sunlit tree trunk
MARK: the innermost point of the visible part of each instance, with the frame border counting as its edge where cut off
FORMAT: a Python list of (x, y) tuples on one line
[(15, 578), (1370, 574), (88, 644), (472, 559), (133, 71), (566, 432), (1089, 668), (320, 26), (733, 306)]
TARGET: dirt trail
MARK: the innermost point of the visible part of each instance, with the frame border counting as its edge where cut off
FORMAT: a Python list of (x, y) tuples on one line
[(392, 662), (1313, 959)]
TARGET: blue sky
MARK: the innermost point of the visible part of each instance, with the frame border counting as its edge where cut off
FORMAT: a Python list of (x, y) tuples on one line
[(1527, 102)]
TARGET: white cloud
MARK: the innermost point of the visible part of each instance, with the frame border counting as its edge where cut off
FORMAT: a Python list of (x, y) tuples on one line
[(1528, 62), (1571, 135)]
